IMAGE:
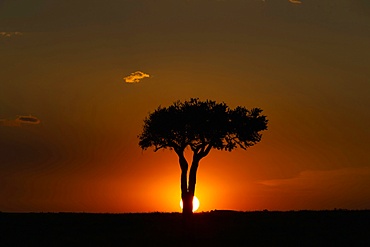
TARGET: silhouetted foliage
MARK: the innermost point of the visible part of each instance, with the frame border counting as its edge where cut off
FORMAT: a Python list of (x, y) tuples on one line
[(200, 125)]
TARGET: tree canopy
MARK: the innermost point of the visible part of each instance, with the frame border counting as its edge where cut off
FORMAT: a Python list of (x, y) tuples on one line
[(202, 125)]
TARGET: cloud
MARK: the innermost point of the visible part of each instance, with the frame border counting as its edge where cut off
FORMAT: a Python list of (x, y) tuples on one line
[(345, 181), (10, 34), (295, 1), (313, 177), (339, 188), (135, 77), (20, 121)]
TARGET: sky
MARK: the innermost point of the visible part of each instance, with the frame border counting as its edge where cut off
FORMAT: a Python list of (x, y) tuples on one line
[(78, 78)]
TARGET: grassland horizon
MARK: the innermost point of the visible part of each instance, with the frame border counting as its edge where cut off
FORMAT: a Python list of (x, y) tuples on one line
[(215, 228)]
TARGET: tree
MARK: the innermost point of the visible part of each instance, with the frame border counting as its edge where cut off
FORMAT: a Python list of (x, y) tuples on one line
[(200, 126)]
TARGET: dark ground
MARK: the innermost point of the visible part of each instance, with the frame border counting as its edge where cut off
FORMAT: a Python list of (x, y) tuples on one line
[(216, 228)]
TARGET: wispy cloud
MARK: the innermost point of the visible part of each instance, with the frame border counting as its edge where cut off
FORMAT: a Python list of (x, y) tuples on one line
[(135, 77), (295, 1), (10, 34), (339, 188), (331, 178), (20, 121)]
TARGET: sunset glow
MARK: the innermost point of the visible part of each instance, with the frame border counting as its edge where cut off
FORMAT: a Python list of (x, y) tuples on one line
[(78, 79)]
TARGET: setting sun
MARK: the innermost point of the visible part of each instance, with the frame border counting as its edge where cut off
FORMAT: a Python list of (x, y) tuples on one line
[(195, 204)]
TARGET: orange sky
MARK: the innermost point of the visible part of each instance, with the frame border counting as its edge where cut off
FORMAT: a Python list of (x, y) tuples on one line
[(64, 63)]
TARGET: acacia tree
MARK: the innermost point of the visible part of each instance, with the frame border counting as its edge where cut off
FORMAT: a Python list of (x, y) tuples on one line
[(200, 126)]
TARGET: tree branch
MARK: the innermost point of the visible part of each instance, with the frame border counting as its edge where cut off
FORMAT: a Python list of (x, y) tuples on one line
[(208, 149), (156, 148)]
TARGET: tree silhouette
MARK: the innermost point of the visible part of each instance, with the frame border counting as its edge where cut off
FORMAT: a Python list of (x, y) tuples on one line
[(200, 125)]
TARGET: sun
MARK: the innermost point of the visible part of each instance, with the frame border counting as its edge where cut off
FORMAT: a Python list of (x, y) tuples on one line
[(195, 204)]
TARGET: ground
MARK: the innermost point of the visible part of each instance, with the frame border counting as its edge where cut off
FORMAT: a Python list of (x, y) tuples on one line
[(215, 228)]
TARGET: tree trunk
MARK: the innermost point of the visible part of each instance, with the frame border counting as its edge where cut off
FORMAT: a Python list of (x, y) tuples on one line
[(187, 204), (187, 199), (188, 190), (193, 176)]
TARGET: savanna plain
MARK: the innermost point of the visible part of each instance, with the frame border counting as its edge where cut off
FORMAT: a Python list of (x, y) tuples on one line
[(214, 228)]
